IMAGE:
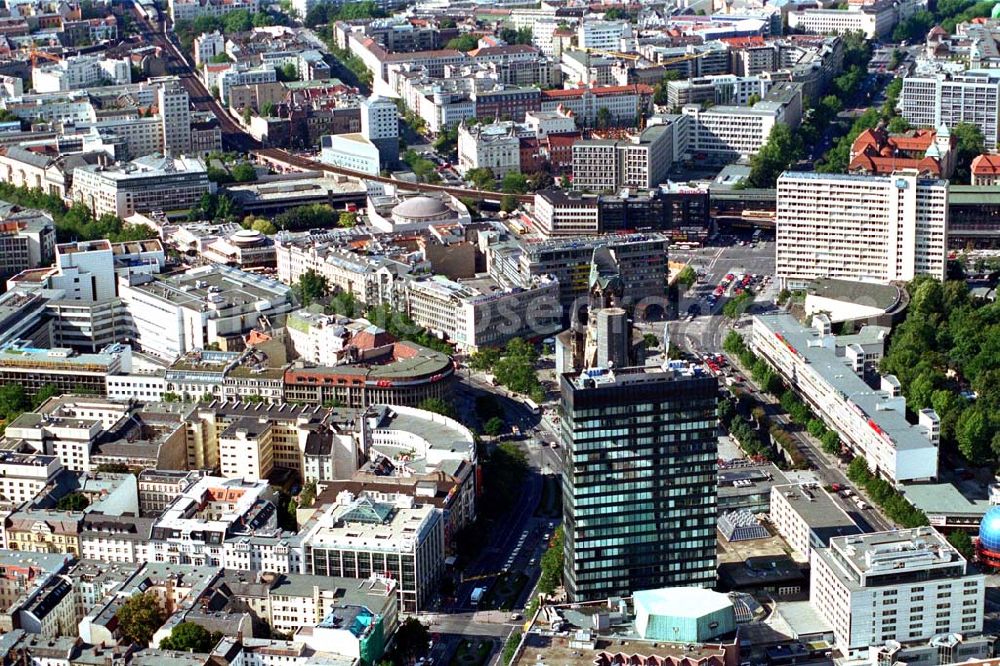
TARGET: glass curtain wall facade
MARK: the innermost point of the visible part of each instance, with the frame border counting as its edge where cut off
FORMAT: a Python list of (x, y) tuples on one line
[(639, 489)]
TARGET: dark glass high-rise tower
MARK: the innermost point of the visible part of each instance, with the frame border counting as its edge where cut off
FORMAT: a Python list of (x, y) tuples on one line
[(639, 488)]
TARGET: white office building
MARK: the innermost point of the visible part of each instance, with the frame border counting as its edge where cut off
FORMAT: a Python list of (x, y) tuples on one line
[(350, 151), (642, 161), (86, 271), (881, 228), (474, 314), (807, 517), (208, 45), (933, 100), (728, 133), (80, 71), (24, 475), (906, 585), (873, 21), (240, 76), (872, 422), (173, 315), (394, 536), (151, 183)]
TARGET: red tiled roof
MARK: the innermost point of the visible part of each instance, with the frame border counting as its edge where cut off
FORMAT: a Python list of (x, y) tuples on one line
[(986, 165), (878, 164)]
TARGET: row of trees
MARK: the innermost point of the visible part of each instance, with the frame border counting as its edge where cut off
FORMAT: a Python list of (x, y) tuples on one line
[(75, 222), (749, 436), (949, 343), (348, 11), (946, 13), (767, 379), (215, 207), (883, 494), (552, 564), (238, 21)]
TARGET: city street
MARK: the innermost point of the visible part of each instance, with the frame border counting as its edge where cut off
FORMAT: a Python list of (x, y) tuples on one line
[(515, 542), (707, 330), (828, 469)]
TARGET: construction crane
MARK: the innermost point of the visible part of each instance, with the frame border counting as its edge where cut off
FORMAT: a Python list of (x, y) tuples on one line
[(35, 54), (684, 58), (613, 54)]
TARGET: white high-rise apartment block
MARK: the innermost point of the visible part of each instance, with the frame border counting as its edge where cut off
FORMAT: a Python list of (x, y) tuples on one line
[(175, 115), (906, 586), (936, 99), (860, 227), (606, 35), (380, 125), (379, 118)]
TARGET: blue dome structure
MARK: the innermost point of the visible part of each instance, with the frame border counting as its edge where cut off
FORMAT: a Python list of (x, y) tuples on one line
[(989, 538)]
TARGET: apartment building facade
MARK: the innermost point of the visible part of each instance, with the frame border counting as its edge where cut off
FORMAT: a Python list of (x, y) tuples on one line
[(881, 228)]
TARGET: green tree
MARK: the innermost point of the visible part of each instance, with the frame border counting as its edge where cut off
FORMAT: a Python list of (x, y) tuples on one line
[(265, 227), (481, 177), (72, 502), (831, 442), (464, 43), (962, 543), (687, 277), (438, 406), (898, 125), (247, 115), (753, 99), (484, 359), (510, 647), (969, 143), (287, 72), (650, 340), (494, 426), (238, 21), (191, 637), (347, 219), (737, 305), (514, 182), (508, 203), (47, 391), (13, 401), (974, 434), (775, 156), (308, 494), (139, 617), (244, 172), (220, 58), (267, 110), (312, 287)]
